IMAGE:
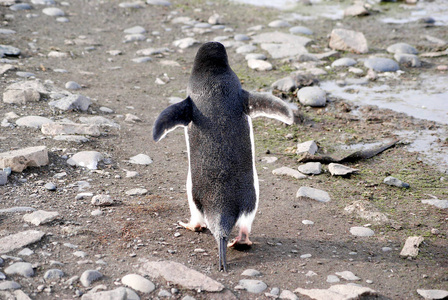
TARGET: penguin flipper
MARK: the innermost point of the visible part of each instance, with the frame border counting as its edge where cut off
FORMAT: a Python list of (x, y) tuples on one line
[(173, 116), (267, 105)]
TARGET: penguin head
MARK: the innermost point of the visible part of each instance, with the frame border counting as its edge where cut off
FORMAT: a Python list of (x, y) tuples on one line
[(211, 56)]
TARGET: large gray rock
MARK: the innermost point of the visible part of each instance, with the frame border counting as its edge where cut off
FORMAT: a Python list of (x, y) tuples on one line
[(88, 159), (24, 269), (259, 65), (120, 293), (16, 241), (313, 193), (408, 60), (287, 84), (251, 285), (9, 285), (307, 147), (312, 96), (33, 121), (20, 159), (402, 48), (443, 204), (338, 292), (7, 50), (57, 128), (380, 64), (348, 40), (355, 10), (177, 273), (138, 283), (311, 168), (361, 231), (41, 217), (20, 96), (288, 172), (340, 170), (72, 102), (89, 276), (433, 294)]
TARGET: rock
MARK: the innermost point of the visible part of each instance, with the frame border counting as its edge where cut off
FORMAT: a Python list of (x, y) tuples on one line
[(16, 209), (311, 168), (338, 291), (33, 121), (279, 24), (41, 217), (312, 96), (347, 275), (396, 182), (185, 43), (50, 186), (307, 222), (20, 6), (158, 2), (307, 147), (57, 128), (402, 48), (130, 118), (241, 37), (141, 159), (20, 96), (348, 40), (53, 274), (301, 30), (43, 2), (9, 285), (408, 60), (251, 273), (20, 268), (135, 29), (410, 248), (288, 172), (252, 286), (287, 84), (314, 194), (135, 37), (215, 19), (72, 102), (53, 12), (366, 210), (355, 10), (120, 293), (340, 170), (88, 159), (99, 120), (164, 293), (258, 56), (259, 65), (433, 294), (26, 252), (90, 276), (282, 45), (443, 204), (177, 273), (246, 49), (71, 138), (3, 178), (134, 5), (333, 279), (343, 62), (380, 64), (71, 85), (102, 200), (285, 294), (138, 283), (6, 50), (5, 68), (136, 192), (20, 159), (269, 159), (361, 231)]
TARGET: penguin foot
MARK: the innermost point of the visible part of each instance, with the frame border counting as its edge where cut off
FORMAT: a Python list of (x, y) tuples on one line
[(196, 227), (241, 242)]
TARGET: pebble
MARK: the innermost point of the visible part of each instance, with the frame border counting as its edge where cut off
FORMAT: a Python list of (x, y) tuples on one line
[(158, 2), (185, 43), (348, 40), (25, 74), (402, 48), (88, 159), (141, 159), (313, 193), (408, 60), (279, 24), (443, 204), (142, 59), (136, 192), (301, 30), (53, 274), (257, 56), (288, 172), (9, 285), (340, 170), (361, 231), (50, 186), (386, 249), (343, 62), (311, 168), (40, 217), (33, 121), (135, 29), (20, 6), (356, 10), (259, 65), (307, 222), (396, 182), (380, 64), (269, 159), (102, 200), (304, 256), (312, 96), (347, 275), (433, 294), (138, 283), (252, 286), (246, 49), (135, 5), (53, 12), (135, 37), (20, 268), (96, 212), (106, 110), (89, 276), (26, 252), (251, 273), (307, 147), (71, 85)]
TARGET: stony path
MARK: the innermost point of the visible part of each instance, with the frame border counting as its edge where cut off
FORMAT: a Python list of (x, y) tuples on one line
[(82, 83)]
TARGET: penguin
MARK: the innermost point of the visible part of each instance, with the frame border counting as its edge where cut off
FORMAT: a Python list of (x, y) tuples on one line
[(222, 181)]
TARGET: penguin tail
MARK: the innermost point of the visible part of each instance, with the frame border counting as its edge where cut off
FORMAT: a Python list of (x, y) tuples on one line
[(222, 248)]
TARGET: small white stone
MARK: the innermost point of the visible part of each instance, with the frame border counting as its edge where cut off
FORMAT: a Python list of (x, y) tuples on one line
[(251, 273), (141, 159), (138, 283), (307, 222), (361, 231), (102, 200), (347, 275), (259, 65)]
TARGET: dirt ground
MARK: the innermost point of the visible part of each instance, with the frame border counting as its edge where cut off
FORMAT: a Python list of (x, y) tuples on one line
[(144, 226)]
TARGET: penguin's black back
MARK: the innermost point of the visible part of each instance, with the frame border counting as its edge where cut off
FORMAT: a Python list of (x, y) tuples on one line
[(221, 161)]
